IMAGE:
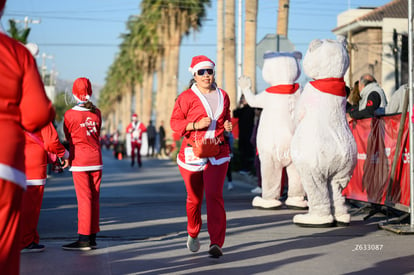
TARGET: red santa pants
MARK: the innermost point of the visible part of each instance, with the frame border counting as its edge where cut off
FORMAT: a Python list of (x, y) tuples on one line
[(87, 186), (136, 146), (10, 206), (29, 218), (211, 180)]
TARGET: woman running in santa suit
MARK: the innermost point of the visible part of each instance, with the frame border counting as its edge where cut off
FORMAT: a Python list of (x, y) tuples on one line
[(24, 106), (203, 111), (82, 127)]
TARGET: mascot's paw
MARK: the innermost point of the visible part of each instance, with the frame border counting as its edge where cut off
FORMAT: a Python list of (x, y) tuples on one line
[(308, 220), (296, 203), (244, 82), (343, 220), (260, 203)]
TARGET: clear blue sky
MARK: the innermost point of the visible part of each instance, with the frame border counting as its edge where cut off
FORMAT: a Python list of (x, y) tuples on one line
[(83, 36)]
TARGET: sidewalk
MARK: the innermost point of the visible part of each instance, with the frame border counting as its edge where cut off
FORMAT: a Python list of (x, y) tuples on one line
[(143, 231)]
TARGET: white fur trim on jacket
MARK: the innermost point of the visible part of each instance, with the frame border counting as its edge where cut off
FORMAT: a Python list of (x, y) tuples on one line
[(85, 168), (196, 168), (79, 108), (189, 167), (38, 182), (11, 174)]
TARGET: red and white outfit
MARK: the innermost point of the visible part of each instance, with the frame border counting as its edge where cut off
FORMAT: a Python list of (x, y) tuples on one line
[(23, 106), (203, 174), (135, 130), (37, 144), (82, 129)]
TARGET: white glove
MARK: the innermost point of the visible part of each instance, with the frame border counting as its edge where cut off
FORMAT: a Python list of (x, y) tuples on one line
[(245, 83)]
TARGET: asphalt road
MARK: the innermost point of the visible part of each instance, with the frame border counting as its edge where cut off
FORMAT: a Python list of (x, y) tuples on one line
[(143, 231)]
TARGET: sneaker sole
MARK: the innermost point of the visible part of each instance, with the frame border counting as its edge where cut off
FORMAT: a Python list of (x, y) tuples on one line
[(77, 248), (32, 250), (309, 225)]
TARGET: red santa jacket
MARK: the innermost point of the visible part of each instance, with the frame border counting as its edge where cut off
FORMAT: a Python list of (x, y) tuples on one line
[(23, 106), (37, 144), (82, 130), (136, 130), (191, 107)]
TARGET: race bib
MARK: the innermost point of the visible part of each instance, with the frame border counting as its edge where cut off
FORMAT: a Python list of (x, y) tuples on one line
[(190, 158)]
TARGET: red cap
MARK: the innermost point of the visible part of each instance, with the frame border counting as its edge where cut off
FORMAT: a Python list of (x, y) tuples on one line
[(82, 89), (200, 61)]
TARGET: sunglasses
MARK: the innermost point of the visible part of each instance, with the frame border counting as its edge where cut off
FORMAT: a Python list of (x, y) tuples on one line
[(203, 71)]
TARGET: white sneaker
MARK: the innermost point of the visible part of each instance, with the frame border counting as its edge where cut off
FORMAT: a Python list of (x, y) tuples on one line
[(260, 203), (193, 244), (230, 186), (256, 190)]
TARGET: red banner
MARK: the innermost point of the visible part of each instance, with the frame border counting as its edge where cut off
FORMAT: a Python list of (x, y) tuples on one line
[(376, 140)]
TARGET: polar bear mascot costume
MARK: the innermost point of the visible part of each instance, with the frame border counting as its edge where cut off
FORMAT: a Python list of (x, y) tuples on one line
[(276, 127), (323, 148)]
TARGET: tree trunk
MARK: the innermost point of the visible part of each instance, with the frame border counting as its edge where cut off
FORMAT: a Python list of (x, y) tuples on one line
[(159, 96), (230, 53), (147, 97), (220, 44), (138, 99), (250, 33)]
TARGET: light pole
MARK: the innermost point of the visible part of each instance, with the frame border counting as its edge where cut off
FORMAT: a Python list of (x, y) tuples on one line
[(44, 57), (27, 21)]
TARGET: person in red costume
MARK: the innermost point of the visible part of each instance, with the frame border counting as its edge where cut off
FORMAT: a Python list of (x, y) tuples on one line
[(82, 127), (135, 130), (24, 106), (37, 144), (203, 111)]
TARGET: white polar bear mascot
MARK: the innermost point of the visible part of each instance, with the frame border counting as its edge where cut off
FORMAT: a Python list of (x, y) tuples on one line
[(276, 127), (323, 148)]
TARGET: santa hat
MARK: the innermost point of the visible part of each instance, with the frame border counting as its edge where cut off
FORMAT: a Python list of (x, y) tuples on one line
[(82, 90), (200, 61), (2, 3)]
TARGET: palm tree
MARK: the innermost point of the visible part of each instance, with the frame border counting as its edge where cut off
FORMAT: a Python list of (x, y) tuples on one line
[(250, 34), (152, 46), (145, 51), (18, 34), (176, 20), (230, 52)]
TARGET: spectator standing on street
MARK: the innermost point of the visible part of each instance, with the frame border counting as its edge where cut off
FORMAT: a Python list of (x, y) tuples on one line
[(373, 100), (245, 114), (151, 135), (253, 139), (202, 112), (24, 107), (135, 130), (163, 146), (82, 127)]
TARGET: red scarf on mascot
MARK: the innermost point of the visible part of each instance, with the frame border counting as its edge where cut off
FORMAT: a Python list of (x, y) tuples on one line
[(283, 89), (334, 86)]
